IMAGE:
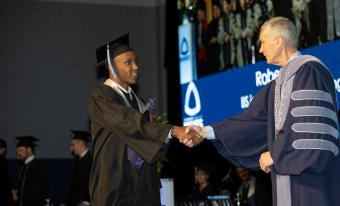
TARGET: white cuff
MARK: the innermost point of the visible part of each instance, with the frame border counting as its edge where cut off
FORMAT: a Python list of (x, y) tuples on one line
[(208, 133)]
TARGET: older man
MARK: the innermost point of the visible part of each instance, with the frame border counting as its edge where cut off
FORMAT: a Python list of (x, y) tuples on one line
[(291, 127)]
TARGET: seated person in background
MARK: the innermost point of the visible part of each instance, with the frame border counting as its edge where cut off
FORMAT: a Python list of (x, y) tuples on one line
[(247, 188), (203, 188)]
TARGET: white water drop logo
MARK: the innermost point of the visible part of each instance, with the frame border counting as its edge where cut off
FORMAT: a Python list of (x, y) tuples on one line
[(184, 47), (191, 111)]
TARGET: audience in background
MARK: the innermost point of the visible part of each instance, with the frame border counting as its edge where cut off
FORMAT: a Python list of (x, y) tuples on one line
[(224, 37), (203, 188), (201, 31), (246, 192), (213, 47), (226, 31)]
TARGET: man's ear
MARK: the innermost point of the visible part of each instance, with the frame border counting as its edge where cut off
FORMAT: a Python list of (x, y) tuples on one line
[(30, 150), (279, 41)]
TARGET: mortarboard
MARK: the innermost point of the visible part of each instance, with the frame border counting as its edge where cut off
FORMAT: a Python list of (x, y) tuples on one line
[(27, 141), (113, 49), (81, 135)]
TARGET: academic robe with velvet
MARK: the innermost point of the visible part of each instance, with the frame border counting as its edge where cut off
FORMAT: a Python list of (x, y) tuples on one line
[(79, 191), (32, 184), (114, 179), (306, 148)]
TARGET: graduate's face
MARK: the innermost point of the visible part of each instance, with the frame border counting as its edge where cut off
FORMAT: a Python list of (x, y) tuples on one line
[(126, 67), (24, 152), (271, 46)]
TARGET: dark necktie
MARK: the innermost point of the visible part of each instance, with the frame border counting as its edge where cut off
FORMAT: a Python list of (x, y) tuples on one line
[(136, 160)]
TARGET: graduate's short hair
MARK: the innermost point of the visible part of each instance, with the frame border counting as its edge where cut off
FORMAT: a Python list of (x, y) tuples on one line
[(282, 26)]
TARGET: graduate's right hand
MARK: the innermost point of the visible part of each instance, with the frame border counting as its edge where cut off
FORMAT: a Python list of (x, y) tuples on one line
[(179, 133), (196, 135), (186, 136)]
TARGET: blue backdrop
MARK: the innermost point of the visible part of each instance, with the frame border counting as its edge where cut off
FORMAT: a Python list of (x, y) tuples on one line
[(213, 98)]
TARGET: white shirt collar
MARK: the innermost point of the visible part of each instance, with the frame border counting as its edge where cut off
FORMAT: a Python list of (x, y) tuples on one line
[(111, 83), (30, 159), (84, 153)]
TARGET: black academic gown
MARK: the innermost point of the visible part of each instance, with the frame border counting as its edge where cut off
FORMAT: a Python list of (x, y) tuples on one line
[(79, 190), (32, 185), (311, 159), (114, 180), (5, 183)]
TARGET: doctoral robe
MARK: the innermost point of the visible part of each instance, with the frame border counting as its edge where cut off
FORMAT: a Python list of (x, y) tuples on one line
[(302, 139)]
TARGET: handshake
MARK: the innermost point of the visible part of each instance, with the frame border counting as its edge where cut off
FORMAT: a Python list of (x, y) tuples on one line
[(189, 136)]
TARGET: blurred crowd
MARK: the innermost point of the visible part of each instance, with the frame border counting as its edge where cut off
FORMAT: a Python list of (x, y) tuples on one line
[(226, 31), (239, 186)]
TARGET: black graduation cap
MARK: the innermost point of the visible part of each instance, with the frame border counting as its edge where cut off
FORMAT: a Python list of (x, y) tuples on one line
[(81, 135), (27, 141), (116, 47), (111, 49)]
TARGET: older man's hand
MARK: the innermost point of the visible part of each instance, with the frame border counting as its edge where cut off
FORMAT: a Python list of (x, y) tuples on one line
[(266, 161)]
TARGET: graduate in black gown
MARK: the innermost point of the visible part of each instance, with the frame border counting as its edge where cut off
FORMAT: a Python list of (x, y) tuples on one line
[(5, 179), (291, 128), (125, 144), (79, 187), (32, 189)]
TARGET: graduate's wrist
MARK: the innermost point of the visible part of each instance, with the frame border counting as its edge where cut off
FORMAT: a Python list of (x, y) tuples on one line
[(175, 131)]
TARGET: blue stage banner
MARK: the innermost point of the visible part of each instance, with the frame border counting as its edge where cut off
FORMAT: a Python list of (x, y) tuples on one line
[(213, 98)]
